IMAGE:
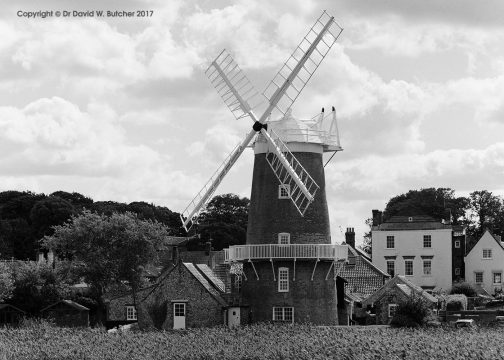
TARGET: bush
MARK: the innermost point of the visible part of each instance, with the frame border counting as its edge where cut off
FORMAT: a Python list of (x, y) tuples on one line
[(413, 312), (464, 288), (456, 302)]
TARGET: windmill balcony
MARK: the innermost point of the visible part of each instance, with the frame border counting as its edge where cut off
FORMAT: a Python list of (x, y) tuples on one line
[(292, 251)]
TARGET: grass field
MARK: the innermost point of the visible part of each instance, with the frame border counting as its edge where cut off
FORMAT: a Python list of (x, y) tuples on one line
[(263, 341)]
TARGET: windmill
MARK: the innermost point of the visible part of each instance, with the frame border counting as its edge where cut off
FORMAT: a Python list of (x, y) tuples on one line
[(242, 99), (288, 263)]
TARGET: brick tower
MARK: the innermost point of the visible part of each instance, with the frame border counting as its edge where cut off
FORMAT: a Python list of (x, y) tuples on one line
[(289, 265)]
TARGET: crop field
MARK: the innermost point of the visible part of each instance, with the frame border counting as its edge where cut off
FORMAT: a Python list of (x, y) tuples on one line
[(263, 341)]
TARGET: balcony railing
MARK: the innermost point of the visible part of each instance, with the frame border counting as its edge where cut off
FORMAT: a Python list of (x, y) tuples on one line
[(292, 251)]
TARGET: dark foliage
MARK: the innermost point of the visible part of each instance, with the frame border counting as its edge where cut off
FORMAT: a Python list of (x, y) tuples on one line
[(463, 288), (413, 312)]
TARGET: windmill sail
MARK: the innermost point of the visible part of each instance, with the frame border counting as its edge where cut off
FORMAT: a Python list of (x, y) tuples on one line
[(233, 85), (300, 66)]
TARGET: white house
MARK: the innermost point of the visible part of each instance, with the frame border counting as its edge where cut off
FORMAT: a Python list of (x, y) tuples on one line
[(418, 247), (484, 263)]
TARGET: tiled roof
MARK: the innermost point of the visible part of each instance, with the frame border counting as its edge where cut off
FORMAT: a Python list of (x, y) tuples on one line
[(211, 277), (411, 222), (3, 306), (199, 276), (69, 303), (363, 278), (404, 285)]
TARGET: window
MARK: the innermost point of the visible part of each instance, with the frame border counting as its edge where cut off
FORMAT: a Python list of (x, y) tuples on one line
[(131, 313), (283, 279), (179, 309), (427, 267), (478, 277), (238, 282), (457, 271), (284, 238), (284, 191), (392, 309), (283, 314), (390, 242), (457, 244), (427, 241), (408, 267), (487, 253), (497, 277), (391, 267)]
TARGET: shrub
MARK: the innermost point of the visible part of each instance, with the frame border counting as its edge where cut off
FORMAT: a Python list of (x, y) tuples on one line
[(456, 302), (464, 288), (413, 312)]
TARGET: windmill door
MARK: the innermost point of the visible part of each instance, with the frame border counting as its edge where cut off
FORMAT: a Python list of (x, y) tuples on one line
[(233, 317), (179, 315)]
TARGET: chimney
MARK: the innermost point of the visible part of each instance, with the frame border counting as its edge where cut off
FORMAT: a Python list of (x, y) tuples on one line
[(377, 217), (350, 237)]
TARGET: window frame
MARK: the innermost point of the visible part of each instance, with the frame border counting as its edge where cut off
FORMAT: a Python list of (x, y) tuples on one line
[(406, 262), (388, 262), (283, 314), (390, 238), (283, 236), (131, 313), (457, 271), (283, 279), (457, 244), (476, 274), (390, 312), (488, 252), (177, 306), (499, 273), (424, 262), (281, 189), (427, 240)]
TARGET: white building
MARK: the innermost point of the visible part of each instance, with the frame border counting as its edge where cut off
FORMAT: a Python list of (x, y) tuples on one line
[(418, 247), (485, 263)]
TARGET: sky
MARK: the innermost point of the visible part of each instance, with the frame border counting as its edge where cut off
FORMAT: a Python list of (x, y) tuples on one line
[(119, 108)]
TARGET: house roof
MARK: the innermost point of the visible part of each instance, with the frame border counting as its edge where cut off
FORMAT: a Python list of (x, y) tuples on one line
[(484, 234), (211, 277), (173, 241), (400, 282), (413, 222), (363, 277), (199, 276), (70, 303), (4, 306)]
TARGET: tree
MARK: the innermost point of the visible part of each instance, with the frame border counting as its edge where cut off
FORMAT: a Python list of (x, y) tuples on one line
[(486, 212), (78, 201), (367, 243), (49, 212), (108, 249), (224, 221), (37, 286), (6, 282), (438, 203)]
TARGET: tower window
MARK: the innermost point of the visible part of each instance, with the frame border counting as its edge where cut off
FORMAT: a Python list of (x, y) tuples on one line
[(283, 279), (284, 191), (284, 238)]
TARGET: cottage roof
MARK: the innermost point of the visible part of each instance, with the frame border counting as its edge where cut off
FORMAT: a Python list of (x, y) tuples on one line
[(199, 276), (404, 285), (70, 303), (4, 306), (363, 277), (412, 222), (173, 241), (211, 277), (486, 234)]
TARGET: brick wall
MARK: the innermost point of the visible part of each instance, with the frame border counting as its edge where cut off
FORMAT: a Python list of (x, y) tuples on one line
[(269, 215), (155, 309), (313, 301)]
